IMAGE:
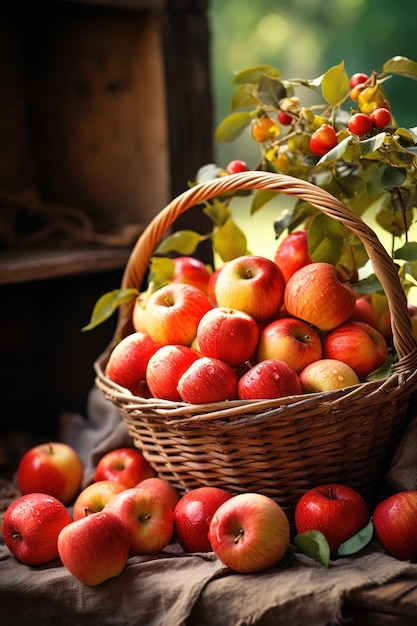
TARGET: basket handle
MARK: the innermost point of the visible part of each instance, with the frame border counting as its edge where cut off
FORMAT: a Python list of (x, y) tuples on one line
[(138, 263)]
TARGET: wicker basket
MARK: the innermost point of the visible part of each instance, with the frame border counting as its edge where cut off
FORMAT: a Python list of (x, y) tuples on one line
[(279, 447)]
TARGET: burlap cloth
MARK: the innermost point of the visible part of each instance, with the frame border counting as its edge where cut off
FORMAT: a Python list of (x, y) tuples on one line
[(173, 588)]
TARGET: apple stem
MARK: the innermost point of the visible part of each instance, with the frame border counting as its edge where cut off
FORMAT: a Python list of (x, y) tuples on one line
[(145, 518), (239, 536), (331, 494)]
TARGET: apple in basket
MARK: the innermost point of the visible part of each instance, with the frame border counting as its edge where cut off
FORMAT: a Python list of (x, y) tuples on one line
[(54, 468), (192, 516), (249, 533), (359, 345), (364, 311), (166, 367), (129, 359), (251, 283), (292, 253), (208, 380), (395, 523), (149, 520), (94, 497), (228, 334), (173, 313), (271, 378), (161, 488), (94, 548), (316, 293), (31, 526), (327, 375), (191, 271), (291, 340), (126, 466), (336, 510)]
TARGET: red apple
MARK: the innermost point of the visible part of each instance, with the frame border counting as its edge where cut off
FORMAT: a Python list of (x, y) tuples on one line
[(126, 466), (94, 497), (191, 271), (336, 510), (129, 359), (357, 344), (173, 313), (249, 533), (192, 517), (228, 334), (290, 340), (364, 311), (94, 548), (395, 523), (317, 294), (271, 378), (166, 367), (31, 526), (54, 468), (251, 283), (384, 322), (292, 253), (162, 488), (149, 520), (208, 380), (326, 375)]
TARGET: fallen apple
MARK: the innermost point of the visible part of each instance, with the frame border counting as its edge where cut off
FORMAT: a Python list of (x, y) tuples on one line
[(149, 520), (249, 533), (94, 548), (126, 466), (54, 468), (94, 497), (31, 526), (395, 523), (162, 488), (336, 510), (192, 516)]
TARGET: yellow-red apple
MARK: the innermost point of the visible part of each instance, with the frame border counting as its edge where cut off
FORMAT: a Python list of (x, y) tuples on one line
[(317, 294), (173, 313), (326, 375), (94, 497), (359, 345), (291, 340), (251, 283)]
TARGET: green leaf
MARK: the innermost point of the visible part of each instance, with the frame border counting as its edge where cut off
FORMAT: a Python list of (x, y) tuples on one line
[(260, 198), (325, 239), (161, 270), (232, 126), (335, 84), (288, 558), (314, 544), (244, 96), (348, 146), (218, 212), (107, 304), (358, 541), (407, 252), (367, 285), (392, 177), (371, 145), (229, 241), (184, 242), (385, 371), (253, 74), (402, 66), (271, 91)]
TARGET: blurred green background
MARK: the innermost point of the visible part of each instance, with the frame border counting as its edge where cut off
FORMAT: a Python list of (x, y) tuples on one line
[(303, 38)]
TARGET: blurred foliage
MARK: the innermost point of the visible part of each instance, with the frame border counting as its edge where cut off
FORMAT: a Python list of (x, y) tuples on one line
[(304, 38)]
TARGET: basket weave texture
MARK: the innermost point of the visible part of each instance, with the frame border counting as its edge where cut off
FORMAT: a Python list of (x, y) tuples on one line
[(284, 446)]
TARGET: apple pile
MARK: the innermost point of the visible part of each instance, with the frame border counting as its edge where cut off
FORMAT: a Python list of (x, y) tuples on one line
[(255, 328), (111, 521)]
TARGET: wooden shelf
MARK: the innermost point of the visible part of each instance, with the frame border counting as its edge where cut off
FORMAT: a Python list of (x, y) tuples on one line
[(20, 266)]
